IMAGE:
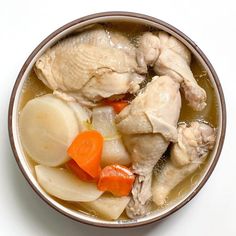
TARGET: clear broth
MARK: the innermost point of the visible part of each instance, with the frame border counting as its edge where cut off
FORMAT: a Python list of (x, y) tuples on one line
[(33, 87)]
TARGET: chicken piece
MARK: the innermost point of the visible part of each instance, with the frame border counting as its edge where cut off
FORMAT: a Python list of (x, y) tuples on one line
[(110, 84), (155, 110), (194, 142), (95, 55), (107, 85), (101, 36), (149, 49), (94, 34), (148, 124), (171, 57), (145, 149), (72, 67), (170, 42)]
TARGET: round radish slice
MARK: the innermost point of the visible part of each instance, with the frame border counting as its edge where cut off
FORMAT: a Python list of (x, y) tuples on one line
[(61, 183), (47, 127)]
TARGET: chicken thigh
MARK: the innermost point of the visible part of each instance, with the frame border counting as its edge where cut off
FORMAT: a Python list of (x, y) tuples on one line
[(194, 142), (76, 67), (169, 56), (148, 124)]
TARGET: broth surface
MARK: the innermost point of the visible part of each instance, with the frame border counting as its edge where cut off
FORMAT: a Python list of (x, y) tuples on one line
[(33, 87)]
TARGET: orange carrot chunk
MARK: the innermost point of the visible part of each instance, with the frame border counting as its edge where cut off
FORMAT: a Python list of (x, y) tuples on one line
[(118, 106), (86, 151), (72, 165), (116, 179)]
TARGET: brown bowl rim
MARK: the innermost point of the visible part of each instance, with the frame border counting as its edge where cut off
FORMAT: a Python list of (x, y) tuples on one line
[(132, 15)]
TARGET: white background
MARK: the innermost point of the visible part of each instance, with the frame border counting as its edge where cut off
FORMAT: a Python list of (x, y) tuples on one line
[(211, 24)]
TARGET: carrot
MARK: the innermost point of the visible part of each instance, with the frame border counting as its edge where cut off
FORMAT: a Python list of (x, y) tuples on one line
[(116, 179), (86, 151), (118, 106), (72, 165)]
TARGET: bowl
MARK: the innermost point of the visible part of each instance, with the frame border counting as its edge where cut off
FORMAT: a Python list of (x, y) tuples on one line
[(76, 25)]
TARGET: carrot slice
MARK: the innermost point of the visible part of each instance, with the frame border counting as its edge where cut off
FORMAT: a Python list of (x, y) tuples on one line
[(118, 106), (86, 151), (116, 179), (72, 165)]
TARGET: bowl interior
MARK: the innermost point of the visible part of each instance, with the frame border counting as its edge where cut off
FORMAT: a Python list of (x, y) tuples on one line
[(24, 162)]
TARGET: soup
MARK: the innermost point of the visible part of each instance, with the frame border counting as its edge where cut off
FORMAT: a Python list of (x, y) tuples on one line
[(113, 112)]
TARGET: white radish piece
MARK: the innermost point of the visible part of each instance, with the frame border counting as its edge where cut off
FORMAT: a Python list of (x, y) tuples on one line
[(47, 127), (107, 206), (103, 119), (61, 183), (114, 152), (82, 114)]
